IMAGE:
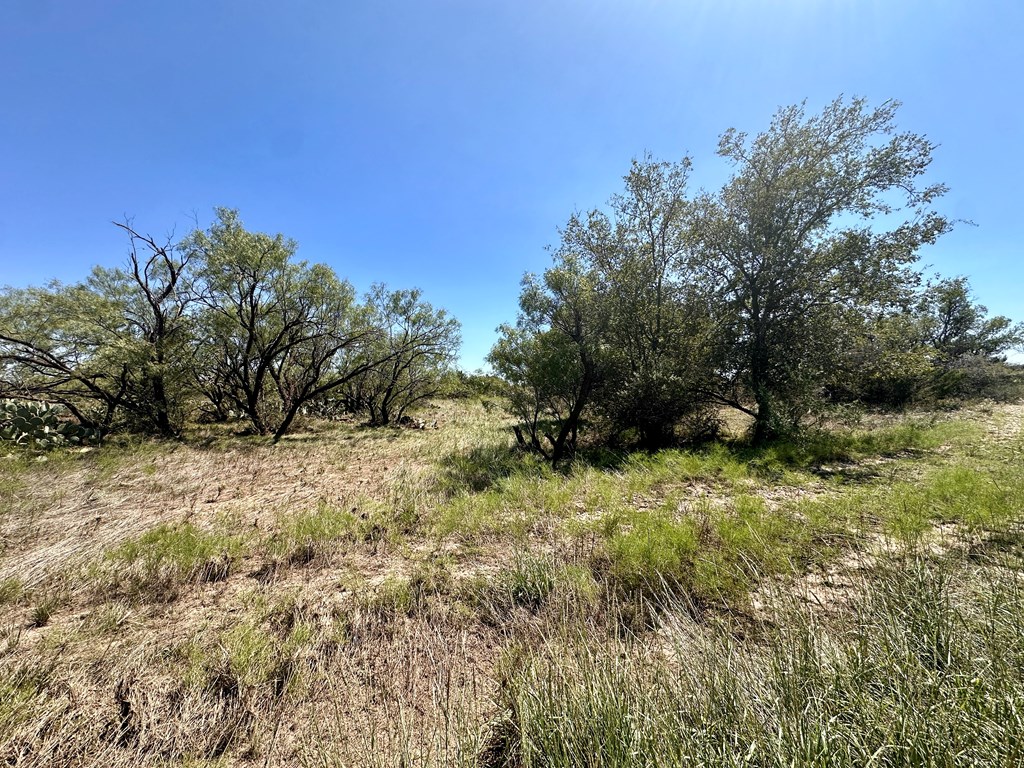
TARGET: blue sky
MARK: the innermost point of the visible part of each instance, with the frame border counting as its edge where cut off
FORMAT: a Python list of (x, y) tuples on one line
[(440, 144)]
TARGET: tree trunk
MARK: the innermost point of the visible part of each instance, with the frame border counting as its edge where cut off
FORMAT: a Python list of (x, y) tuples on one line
[(764, 429), (162, 416), (571, 424), (286, 422)]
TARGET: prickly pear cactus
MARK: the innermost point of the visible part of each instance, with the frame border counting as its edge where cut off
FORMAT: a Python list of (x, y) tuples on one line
[(41, 426)]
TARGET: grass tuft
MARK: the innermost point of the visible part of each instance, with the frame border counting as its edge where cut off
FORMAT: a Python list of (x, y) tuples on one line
[(11, 590), (929, 673), (153, 566)]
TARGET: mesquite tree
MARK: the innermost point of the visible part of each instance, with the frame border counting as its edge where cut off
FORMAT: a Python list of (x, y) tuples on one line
[(113, 347), (413, 345), (279, 330), (227, 315)]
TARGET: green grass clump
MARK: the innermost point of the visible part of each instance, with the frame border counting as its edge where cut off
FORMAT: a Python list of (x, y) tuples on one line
[(109, 618), (305, 536), (512, 507), (985, 497), (529, 582), (302, 537), (153, 565), (825, 446), (22, 687), (254, 658), (927, 672), (44, 608), (656, 550), (713, 555), (483, 466), (11, 590), (405, 595), (716, 462)]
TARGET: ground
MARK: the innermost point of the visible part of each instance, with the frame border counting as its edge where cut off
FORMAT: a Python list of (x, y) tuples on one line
[(357, 596)]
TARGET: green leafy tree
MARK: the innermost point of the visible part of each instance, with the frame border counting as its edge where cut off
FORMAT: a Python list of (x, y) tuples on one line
[(111, 348), (886, 362), (955, 325), (555, 357), (643, 253), (251, 318), (59, 344), (155, 294), (615, 333), (965, 346), (279, 331), (546, 387), (798, 246), (405, 360), (228, 314)]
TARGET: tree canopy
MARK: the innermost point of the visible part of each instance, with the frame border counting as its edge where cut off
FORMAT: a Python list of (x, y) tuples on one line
[(226, 316), (792, 284)]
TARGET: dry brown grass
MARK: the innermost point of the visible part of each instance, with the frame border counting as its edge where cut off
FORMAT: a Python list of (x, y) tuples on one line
[(71, 510), (383, 665), (380, 640)]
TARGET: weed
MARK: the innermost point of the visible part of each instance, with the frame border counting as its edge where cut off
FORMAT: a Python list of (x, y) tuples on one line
[(483, 466), (254, 658), (152, 566), (529, 582), (303, 536), (109, 618), (653, 550), (43, 610), (394, 597), (429, 578), (21, 687), (11, 590), (822, 446)]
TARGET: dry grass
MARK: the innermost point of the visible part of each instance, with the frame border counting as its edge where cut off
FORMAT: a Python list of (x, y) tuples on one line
[(71, 509), (357, 597)]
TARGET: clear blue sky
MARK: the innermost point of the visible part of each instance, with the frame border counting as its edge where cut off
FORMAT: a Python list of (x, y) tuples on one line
[(440, 144)]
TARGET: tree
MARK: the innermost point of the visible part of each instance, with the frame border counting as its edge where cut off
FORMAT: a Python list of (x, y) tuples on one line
[(546, 387), (280, 330), (659, 316), (885, 362), (966, 348), (227, 314), (555, 356), (415, 346), (111, 347), (56, 346), (794, 249), (954, 325), (156, 295), (615, 332), (250, 317)]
